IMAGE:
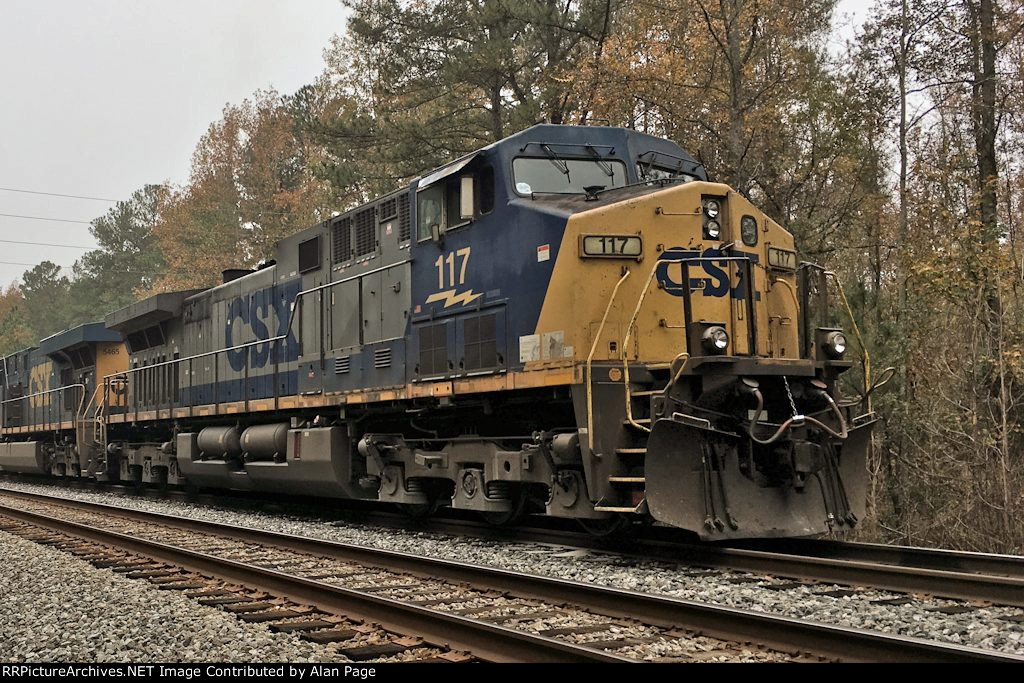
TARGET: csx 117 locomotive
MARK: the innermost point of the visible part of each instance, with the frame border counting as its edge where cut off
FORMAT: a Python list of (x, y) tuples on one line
[(571, 321)]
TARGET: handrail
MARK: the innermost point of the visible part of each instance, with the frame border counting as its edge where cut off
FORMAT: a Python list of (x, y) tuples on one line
[(590, 359), (639, 304), (268, 340), (42, 393), (625, 344), (856, 330), (78, 385), (792, 293)]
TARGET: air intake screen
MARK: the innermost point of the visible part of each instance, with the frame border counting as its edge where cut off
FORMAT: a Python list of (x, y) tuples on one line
[(341, 241), (366, 240), (481, 342), (404, 224), (388, 209), (433, 349)]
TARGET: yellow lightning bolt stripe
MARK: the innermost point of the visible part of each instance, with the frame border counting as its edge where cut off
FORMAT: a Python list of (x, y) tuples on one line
[(450, 298)]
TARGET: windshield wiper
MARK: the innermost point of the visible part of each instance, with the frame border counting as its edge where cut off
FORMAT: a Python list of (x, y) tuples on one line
[(558, 162), (605, 166)]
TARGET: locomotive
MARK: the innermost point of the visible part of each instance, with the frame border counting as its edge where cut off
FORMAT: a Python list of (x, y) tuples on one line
[(572, 321)]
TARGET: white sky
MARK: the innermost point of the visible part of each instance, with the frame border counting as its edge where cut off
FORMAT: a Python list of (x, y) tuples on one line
[(105, 96)]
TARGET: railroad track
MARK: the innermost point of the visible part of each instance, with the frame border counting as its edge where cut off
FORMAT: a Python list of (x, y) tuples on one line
[(493, 614), (977, 578), (965, 576)]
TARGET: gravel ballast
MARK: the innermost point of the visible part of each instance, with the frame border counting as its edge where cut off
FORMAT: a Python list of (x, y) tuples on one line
[(57, 608), (984, 627)]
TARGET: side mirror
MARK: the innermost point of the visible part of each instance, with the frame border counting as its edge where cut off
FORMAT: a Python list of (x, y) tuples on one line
[(467, 197)]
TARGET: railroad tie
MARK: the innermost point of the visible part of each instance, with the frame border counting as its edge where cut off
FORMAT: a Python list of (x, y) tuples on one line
[(329, 635), (272, 615), (302, 625)]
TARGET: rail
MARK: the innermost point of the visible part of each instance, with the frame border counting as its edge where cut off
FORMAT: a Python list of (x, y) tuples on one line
[(492, 642), (728, 623)]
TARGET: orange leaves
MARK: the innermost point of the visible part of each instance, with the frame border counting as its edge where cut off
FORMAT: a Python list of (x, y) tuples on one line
[(251, 184)]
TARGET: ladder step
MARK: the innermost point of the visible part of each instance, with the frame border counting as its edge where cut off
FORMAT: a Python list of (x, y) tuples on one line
[(647, 392), (638, 510), (627, 480), (637, 420), (630, 451)]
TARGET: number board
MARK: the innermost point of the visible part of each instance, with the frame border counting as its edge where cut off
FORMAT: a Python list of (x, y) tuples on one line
[(781, 258), (612, 246)]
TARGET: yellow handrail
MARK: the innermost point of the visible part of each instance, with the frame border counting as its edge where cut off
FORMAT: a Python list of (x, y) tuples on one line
[(856, 330), (590, 358), (625, 345)]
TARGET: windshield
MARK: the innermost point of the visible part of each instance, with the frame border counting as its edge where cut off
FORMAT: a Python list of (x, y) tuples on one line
[(652, 172), (567, 175)]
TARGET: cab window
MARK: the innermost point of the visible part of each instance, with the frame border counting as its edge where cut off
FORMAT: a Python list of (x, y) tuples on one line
[(566, 176), (429, 211), (453, 201), (443, 204), (486, 183), (654, 172)]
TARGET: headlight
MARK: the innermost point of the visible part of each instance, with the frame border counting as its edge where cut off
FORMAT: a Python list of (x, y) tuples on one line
[(748, 230), (835, 345), (712, 208), (715, 340), (712, 230)]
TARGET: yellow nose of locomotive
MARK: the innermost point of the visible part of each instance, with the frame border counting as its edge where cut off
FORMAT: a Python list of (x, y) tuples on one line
[(692, 268), (681, 310)]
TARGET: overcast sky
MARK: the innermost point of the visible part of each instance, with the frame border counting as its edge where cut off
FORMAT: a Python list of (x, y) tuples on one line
[(104, 96)]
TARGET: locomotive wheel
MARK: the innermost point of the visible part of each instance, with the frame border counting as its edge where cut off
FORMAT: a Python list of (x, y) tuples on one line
[(511, 516), (418, 510), (607, 527), (161, 480), (135, 479)]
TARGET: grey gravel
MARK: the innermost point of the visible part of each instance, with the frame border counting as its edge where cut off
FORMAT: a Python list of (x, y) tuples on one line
[(983, 627), (57, 608)]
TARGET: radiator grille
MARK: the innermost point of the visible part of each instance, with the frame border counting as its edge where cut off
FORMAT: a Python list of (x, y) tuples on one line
[(342, 365), (382, 358)]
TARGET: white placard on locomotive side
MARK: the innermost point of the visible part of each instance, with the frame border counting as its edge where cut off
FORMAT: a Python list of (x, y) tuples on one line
[(612, 246)]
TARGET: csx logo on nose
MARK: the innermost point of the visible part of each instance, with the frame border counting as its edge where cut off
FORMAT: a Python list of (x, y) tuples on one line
[(717, 282)]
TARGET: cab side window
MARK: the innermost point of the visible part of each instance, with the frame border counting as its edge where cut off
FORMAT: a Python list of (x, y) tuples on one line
[(454, 202), (429, 211), (485, 182)]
